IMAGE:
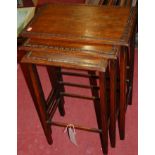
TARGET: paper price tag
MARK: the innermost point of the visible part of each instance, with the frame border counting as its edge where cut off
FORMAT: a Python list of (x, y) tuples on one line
[(71, 133)]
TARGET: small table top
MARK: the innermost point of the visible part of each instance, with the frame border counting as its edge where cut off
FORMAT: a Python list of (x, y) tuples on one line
[(83, 24), (68, 55), (67, 60), (44, 45)]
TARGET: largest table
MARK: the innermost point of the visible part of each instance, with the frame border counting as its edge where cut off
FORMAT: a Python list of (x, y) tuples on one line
[(92, 25)]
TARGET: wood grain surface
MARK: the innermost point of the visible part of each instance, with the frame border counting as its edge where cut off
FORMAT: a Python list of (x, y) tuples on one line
[(68, 61), (104, 51), (83, 23)]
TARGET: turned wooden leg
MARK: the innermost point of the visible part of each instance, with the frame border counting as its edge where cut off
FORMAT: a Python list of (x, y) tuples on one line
[(122, 106), (55, 76), (103, 112), (34, 85), (113, 80)]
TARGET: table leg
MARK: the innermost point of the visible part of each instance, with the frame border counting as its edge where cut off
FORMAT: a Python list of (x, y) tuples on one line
[(95, 92), (103, 112), (122, 67), (113, 80), (34, 85), (131, 61), (55, 76)]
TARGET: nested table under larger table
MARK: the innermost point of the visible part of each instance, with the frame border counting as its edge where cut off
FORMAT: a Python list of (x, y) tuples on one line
[(93, 59), (91, 25)]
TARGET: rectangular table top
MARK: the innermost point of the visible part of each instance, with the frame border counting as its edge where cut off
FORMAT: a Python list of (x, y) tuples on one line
[(68, 55), (83, 24), (69, 60), (44, 45)]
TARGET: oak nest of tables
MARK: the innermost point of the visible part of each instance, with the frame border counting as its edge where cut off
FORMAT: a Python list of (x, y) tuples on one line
[(96, 39)]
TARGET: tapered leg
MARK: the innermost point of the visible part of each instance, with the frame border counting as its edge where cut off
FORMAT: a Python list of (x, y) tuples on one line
[(55, 76), (113, 78), (122, 106), (95, 92), (34, 85), (131, 61), (103, 112)]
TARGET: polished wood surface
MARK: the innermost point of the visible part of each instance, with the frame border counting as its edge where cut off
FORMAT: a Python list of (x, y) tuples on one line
[(66, 61), (42, 45), (83, 23)]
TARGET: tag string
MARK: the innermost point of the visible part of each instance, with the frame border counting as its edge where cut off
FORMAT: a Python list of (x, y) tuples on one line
[(70, 126)]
